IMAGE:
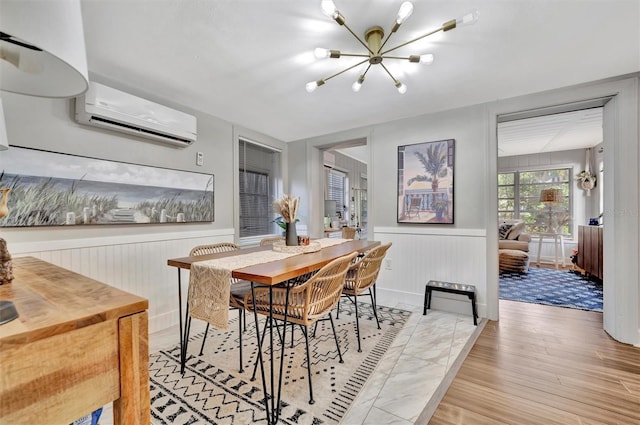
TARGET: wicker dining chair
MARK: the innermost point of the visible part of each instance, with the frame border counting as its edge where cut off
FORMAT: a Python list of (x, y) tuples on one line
[(361, 277), (270, 240), (308, 302), (349, 233), (239, 289)]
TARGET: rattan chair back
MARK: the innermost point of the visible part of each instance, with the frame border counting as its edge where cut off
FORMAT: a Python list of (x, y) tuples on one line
[(308, 301), (271, 240), (213, 249), (364, 273)]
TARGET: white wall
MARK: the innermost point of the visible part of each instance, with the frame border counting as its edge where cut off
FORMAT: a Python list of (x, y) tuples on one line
[(419, 253), (467, 250), (129, 257)]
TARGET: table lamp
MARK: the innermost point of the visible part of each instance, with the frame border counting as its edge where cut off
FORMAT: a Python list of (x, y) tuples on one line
[(550, 197)]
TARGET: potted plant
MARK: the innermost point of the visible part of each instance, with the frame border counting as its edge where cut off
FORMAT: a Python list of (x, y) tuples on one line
[(439, 206)]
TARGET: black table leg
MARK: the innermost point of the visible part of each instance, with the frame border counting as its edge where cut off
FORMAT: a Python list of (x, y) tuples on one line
[(264, 381), (180, 318)]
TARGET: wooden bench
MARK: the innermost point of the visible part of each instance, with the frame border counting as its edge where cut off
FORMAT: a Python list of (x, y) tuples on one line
[(452, 288)]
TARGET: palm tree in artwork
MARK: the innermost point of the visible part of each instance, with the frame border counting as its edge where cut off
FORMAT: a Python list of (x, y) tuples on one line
[(434, 164)]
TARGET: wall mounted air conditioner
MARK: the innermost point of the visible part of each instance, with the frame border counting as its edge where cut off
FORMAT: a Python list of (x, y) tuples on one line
[(105, 107)]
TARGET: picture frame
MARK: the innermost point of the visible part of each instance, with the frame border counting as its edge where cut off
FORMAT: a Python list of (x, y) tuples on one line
[(425, 182), (43, 188)]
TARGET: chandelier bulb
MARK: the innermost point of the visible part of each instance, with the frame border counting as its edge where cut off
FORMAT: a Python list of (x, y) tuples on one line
[(321, 53), (313, 85), (467, 19), (329, 8), (402, 88), (426, 59), (406, 9), (358, 84)]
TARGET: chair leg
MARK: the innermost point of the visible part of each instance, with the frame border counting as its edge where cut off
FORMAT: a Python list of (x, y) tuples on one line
[(373, 305), (355, 302), (241, 314), (338, 310), (204, 339), (244, 322), (335, 336), (306, 340)]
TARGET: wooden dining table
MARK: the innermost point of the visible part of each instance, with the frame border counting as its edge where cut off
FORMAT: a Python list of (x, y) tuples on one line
[(271, 273)]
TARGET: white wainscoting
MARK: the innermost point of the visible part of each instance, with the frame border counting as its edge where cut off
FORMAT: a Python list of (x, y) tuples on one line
[(420, 254), (134, 263)]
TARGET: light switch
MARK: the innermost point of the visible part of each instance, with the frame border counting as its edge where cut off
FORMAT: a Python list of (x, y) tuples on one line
[(200, 158)]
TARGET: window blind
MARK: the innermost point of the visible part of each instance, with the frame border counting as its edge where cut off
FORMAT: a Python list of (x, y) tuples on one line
[(259, 171)]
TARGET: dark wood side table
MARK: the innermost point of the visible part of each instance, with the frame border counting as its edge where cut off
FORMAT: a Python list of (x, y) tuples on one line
[(452, 288)]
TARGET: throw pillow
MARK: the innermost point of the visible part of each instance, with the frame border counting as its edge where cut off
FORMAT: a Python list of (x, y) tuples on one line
[(515, 231), (503, 230)]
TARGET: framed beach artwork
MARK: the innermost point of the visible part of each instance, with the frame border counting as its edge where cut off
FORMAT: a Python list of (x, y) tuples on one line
[(41, 188), (425, 182)]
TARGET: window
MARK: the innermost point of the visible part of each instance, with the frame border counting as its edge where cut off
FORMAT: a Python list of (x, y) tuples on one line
[(258, 180), (336, 184), (519, 197)]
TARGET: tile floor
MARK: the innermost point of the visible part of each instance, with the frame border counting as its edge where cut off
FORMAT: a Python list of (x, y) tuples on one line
[(406, 379)]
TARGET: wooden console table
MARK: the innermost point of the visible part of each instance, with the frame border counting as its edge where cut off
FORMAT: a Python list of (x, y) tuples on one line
[(78, 345)]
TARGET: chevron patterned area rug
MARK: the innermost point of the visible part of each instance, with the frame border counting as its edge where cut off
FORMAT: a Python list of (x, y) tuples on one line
[(552, 287), (212, 391)]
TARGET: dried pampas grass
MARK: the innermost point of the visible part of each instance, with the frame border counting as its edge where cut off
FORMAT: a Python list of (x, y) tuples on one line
[(287, 207)]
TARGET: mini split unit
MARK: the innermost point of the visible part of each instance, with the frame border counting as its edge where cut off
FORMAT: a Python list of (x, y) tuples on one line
[(105, 107)]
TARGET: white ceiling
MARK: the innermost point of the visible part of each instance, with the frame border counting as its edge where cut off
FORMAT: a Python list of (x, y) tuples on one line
[(247, 61), (551, 133)]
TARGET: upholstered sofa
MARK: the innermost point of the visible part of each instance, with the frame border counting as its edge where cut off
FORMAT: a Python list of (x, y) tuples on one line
[(513, 246)]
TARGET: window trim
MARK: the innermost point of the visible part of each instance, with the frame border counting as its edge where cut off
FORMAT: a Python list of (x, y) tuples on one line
[(276, 184)]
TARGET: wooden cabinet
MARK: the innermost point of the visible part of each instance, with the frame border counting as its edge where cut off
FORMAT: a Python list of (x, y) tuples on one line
[(590, 250), (77, 345)]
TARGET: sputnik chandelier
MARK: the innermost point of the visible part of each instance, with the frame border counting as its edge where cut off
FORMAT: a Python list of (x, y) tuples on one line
[(374, 42)]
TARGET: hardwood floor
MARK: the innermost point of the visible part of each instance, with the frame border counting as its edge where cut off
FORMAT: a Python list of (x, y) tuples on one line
[(544, 365)]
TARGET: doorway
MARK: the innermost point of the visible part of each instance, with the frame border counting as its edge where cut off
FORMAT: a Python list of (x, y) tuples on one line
[(543, 205), (621, 245), (345, 186)]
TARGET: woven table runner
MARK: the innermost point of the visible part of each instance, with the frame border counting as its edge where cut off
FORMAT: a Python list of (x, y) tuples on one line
[(210, 282)]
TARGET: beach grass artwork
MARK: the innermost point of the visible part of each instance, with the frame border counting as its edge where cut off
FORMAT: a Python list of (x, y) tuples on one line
[(42, 188)]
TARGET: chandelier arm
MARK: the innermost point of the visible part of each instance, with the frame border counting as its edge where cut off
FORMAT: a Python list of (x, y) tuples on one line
[(358, 55), (366, 70), (390, 75), (414, 40), (393, 30), (345, 70), (358, 38), (397, 57)]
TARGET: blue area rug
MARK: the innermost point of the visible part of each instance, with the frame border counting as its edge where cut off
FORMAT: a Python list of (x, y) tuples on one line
[(552, 287)]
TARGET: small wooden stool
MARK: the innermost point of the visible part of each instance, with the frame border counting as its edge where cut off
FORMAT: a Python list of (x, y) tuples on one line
[(452, 288)]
